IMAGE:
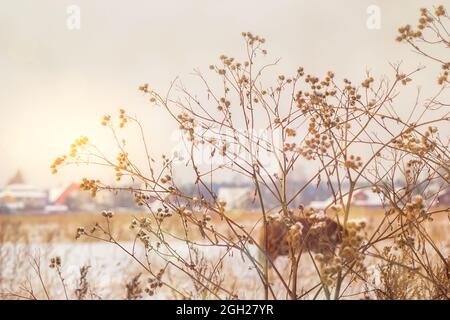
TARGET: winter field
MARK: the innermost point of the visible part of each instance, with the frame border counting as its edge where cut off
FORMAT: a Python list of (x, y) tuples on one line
[(28, 244)]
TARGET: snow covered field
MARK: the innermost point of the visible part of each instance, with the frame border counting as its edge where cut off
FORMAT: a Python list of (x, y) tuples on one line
[(111, 268)]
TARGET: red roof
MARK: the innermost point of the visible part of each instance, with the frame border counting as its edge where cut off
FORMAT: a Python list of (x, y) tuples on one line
[(66, 193)]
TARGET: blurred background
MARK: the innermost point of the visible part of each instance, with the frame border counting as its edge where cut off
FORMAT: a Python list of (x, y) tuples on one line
[(57, 80)]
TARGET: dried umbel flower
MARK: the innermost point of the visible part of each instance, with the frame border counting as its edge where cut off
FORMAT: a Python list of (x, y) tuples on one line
[(329, 265), (90, 185), (79, 144), (122, 166), (252, 39), (144, 88), (134, 224), (316, 233), (290, 132), (144, 236), (142, 223), (414, 210), (123, 118), (58, 161), (366, 83), (80, 232), (55, 262), (166, 179), (154, 283), (354, 162), (351, 242), (418, 201), (106, 120), (440, 11), (163, 213), (403, 78), (95, 228), (295, 234), (411, 143), (430, 29), (443, 78), (376, 189), (408, 34), (107, 214), (347, 253)]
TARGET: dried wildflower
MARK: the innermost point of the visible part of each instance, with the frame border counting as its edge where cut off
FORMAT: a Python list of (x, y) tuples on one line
[(123, 118), (290, 132), (90, 185), (55, 262), (366, 83), (440, 11), (80, 232), (144, 88), (134, 290), (106, 120), (107, 214)]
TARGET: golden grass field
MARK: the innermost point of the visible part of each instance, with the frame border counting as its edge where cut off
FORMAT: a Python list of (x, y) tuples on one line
[(62, 227)]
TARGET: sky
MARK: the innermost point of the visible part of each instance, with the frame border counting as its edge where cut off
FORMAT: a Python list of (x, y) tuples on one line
[(56, 83)]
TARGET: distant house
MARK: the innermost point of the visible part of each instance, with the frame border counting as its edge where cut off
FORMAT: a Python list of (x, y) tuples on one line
[(444, 197), (70, 198), (362, 198), (236, 197), (19, 196), (59, 198), (22, 197), (367, 198)]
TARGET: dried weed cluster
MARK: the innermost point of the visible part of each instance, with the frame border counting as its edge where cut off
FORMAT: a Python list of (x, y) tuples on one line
[(315, 121)]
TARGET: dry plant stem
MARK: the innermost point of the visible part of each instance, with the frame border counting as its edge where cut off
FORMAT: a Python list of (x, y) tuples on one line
[(58, 270), (36, 265)]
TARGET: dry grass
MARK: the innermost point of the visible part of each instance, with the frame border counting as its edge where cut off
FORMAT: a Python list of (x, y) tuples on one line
[(53, 228), (62, 227), (94, 270)]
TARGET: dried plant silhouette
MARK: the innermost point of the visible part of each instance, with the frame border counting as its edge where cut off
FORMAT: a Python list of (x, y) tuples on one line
[(351, 135)]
